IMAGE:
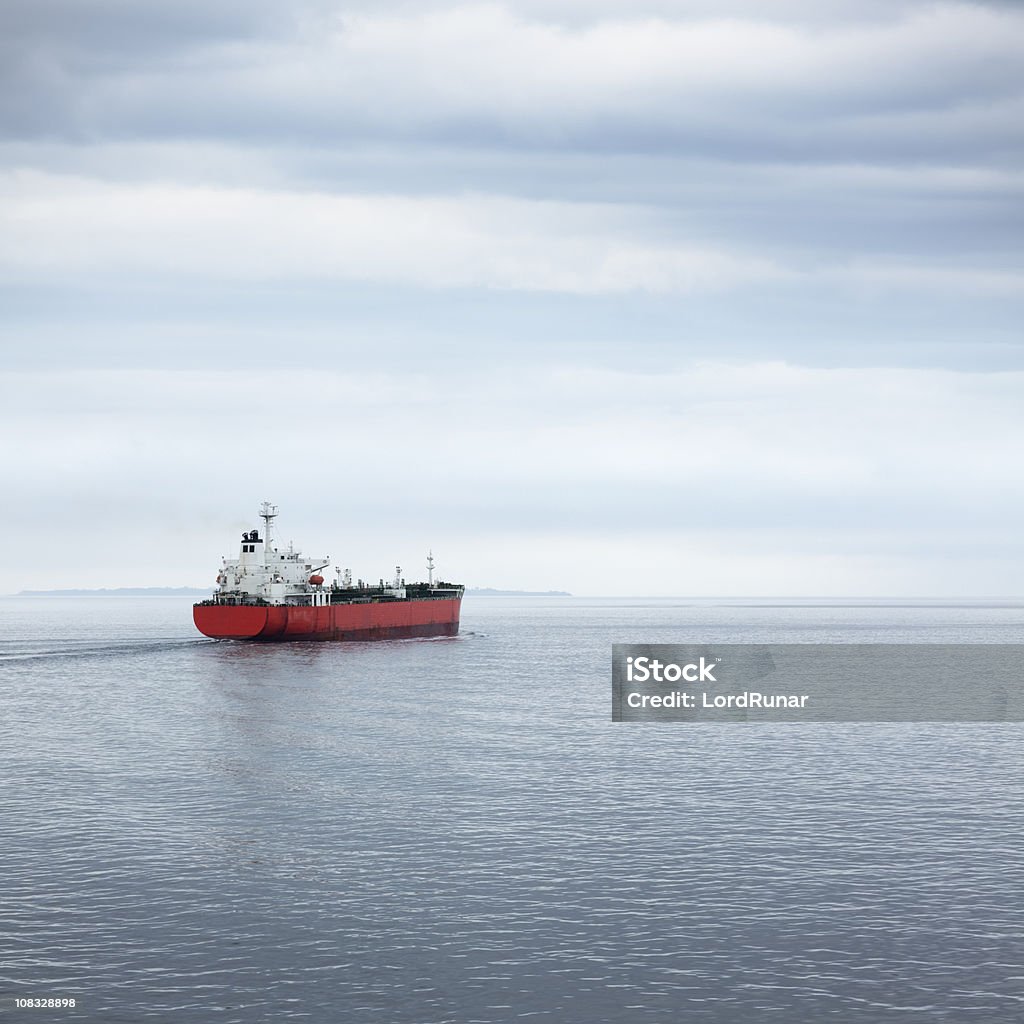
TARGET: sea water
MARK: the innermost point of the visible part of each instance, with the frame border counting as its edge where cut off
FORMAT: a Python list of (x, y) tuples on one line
[(454, 830)]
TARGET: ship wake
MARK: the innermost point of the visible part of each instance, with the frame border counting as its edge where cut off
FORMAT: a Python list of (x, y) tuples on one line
[(15, 651)]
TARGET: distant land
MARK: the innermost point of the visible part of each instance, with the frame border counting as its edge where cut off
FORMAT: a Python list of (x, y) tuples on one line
[(491, 592), (117, 592), (193, 592)]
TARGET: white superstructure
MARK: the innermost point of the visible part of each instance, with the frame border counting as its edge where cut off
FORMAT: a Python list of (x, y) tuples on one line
[(263, 572)]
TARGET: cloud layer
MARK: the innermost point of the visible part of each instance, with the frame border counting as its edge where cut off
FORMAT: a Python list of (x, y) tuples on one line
[(728, 288), (828, 462), (927, 81)]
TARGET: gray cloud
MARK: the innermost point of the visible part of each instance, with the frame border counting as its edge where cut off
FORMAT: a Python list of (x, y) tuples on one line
[(725, 292), (930, 82)]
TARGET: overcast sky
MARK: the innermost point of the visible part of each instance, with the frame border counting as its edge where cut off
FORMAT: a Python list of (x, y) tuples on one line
[(611, 296)]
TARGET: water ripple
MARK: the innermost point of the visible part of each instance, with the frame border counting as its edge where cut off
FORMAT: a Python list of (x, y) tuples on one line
[(452, 832)]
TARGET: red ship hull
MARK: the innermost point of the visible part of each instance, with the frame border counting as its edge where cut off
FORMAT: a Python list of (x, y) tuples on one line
[(385, 620)]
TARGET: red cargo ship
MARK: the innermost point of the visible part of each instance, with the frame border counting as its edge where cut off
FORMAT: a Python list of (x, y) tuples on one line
[(270, 594)]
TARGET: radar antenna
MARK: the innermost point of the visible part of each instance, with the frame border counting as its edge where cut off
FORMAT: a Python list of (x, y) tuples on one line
[(268, 513)]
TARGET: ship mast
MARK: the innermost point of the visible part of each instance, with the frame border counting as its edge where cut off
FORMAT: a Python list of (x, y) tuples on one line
[(430, 569), (267, 513)]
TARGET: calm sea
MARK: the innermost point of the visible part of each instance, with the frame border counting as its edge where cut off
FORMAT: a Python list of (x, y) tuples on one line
[(454, 830)]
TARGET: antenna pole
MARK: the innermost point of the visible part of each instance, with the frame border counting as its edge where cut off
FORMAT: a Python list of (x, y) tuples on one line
[(268, 513)]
